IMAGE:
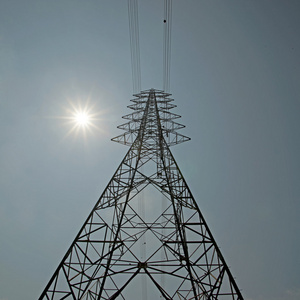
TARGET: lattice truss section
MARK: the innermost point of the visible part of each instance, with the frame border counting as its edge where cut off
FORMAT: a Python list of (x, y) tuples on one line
[(163, 105), (146, 237)]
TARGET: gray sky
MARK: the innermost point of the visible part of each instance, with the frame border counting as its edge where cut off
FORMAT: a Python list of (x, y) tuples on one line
[(235, 79)]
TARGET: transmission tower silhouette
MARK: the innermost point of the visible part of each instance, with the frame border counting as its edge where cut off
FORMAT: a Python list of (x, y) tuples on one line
[(146, 237)]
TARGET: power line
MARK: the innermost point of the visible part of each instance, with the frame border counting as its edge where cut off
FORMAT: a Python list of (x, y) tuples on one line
[(134, 44), (167, 44)]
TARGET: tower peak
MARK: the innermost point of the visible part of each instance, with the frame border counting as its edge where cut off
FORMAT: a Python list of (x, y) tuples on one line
[(152, 110)]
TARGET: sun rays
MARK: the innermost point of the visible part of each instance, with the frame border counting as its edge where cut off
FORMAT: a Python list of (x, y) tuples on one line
[(82, 118)]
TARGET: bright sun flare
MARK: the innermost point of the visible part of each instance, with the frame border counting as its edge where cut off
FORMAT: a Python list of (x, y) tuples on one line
[(82, 118)]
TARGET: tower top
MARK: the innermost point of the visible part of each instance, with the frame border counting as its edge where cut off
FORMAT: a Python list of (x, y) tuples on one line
[(152, 110)]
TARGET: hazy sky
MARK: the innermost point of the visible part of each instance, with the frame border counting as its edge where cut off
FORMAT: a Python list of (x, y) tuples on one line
[(235, 79)]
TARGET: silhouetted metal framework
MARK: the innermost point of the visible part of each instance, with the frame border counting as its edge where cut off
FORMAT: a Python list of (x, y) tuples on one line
[(166, 247)]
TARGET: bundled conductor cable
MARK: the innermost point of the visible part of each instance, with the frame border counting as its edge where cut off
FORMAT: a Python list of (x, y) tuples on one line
[(134, 44), (167, 44)]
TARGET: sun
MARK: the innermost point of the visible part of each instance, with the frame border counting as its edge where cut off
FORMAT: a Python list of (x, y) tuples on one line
[(82, 118)]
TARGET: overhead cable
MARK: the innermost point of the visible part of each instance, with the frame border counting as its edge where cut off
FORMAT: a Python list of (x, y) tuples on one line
[(134, 44), (167, 44)]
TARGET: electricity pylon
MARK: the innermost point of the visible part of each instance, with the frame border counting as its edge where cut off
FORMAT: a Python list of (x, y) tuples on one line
[(145, 245)]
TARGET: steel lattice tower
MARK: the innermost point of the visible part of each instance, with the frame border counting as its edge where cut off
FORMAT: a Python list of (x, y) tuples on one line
[(136, 243)]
